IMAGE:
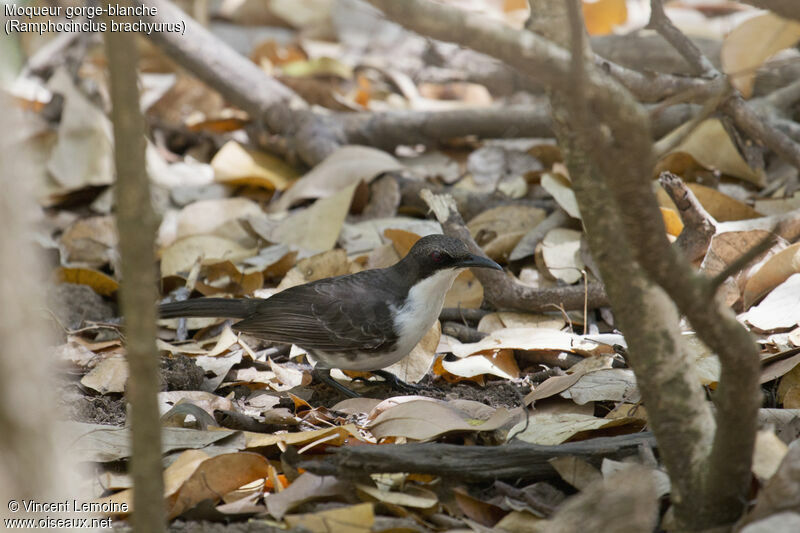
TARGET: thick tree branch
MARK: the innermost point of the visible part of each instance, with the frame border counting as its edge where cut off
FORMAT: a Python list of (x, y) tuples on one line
[(498, 288), (136, 225), (469, 463), (785, 8)]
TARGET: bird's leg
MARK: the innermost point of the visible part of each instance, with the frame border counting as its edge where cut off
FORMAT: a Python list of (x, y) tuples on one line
[(397, 382), (324, 375)]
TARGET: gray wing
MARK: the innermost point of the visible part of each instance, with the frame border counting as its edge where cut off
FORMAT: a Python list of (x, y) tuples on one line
[(329, 315)]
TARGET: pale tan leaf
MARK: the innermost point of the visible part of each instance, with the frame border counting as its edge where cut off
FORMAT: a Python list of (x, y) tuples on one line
[(347, 166), (217, 216), (719, 205), (426, 420), (551, 429), (576, 471), (499, 229), (305, 488), (317, 227), (561, 252), (768, 454), (218, 476), (415, 366), (236, 165), (751, 43), (509, 319), (602, 15), (181, 255), (466, 292), (109, 376), (710, 145), (771, 274), (501, 364), (560, 189), (412, 496), (780, 309), (101, 283), (533, 339), (353, 519)]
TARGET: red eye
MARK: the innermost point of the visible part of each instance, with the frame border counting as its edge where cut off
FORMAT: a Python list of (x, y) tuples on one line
[(436, 256)]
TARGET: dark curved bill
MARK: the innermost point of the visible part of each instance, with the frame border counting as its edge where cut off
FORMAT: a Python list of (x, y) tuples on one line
[(477, 261)]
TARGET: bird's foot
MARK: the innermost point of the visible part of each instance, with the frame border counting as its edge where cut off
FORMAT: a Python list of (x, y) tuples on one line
[(397, 383), (324, 375)]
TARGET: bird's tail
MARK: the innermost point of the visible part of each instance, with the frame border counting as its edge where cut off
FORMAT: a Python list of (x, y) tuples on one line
[(209, 307)]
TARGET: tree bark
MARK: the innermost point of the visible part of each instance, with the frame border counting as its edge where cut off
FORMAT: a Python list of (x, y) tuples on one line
[(136, 225)]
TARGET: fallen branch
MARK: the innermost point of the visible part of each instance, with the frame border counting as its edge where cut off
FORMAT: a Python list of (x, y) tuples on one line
[(516, 460), (499, 289), (698, 226)]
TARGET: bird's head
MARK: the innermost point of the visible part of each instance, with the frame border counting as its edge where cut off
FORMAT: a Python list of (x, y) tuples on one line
[(433, 253)]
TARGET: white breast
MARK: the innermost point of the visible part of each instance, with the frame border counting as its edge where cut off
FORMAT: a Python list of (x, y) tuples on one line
[(422, 308), (412, 321)]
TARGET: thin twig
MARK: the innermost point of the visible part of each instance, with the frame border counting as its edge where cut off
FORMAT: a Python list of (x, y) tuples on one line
[(660, 22)]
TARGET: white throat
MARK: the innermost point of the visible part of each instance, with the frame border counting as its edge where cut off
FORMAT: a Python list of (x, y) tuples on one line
[(422, 308)]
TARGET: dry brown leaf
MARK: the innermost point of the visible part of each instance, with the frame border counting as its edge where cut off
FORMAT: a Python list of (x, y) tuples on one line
[(100, 283), (288, 377), (719, 205), (346, 166), (780, 309), (226, 278), (561, 253), (789, 381), (501, 364), (509, 319), (82, 155), (325, 265), (307, 487), (427, 420), (560, 189), (672, 221), (772, 273), (206, 401), (711, 146), (466, 292), (768, 453), (751, 43), (234, 164), (576, 471), (318, 226), (550, 429), (415, 366), (261, 440), (484, 513), (109, 376), (602, 15), (412, 496), (498, 230), (90, 241), (607, 384), (217, 216), (533, 339), (218, 476), (402, 240), (725, 248), (558, 384), (353, 519), (182, 255)]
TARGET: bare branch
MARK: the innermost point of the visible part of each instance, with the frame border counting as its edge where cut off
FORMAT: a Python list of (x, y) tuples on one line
[(785, 8), (699, 227), (660, 22), (136, 223)]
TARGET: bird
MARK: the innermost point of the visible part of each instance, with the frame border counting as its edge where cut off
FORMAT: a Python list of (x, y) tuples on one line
[(365, 321)]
